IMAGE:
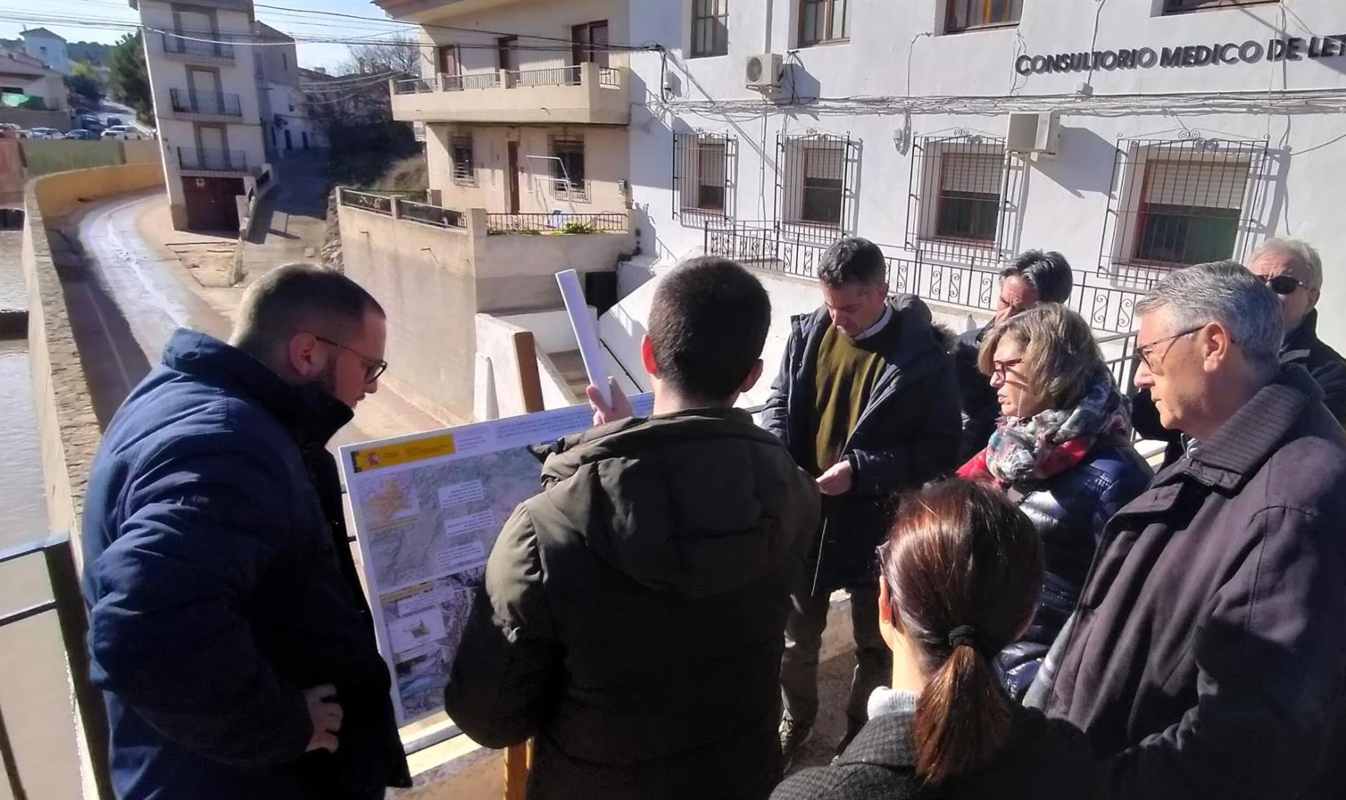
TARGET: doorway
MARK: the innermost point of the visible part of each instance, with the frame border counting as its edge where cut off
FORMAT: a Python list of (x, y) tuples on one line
[(589, 44), (515, 184)]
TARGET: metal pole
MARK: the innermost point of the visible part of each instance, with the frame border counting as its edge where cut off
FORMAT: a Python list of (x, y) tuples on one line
[(74, 626)]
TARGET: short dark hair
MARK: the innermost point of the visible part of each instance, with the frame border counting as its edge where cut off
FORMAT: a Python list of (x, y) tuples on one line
[(707, 327), (300, 297), (1047, 272), (852, 260)]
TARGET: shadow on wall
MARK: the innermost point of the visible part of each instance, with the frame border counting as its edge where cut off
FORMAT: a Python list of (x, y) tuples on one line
[(1089, 167)]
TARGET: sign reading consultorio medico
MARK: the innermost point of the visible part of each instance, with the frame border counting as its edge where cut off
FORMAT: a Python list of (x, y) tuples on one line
[(1192, 55)]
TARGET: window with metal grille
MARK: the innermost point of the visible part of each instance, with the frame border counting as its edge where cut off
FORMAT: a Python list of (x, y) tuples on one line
[(821, 21), (816, 176), (1184, 202), (1182, 6), (710, 28), (964, 15), (959, 206), (464, 173), (568, 169), (703, 174)]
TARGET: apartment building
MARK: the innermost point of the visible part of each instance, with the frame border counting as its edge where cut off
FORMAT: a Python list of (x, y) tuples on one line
[(283, 106), (526, 116), (30, 83), (1134, 137), (49, 48), (206, 105)]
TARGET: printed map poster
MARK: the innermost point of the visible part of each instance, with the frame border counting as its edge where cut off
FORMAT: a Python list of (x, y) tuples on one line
[(428, 508)]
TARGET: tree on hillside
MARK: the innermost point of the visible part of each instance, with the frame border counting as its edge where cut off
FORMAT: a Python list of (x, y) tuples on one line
[(128, 78), (400, 54), (84, 87)]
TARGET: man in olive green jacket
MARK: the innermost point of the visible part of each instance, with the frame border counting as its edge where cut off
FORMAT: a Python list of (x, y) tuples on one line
[(633, 613)]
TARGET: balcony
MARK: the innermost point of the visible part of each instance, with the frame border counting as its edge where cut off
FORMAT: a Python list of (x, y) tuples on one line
[(584, 94), (190, 49), (202, 104), (210, 159)]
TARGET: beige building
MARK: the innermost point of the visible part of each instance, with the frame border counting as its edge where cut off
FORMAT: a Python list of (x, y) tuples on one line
[(203, 81), (530, 115), (22, 76)]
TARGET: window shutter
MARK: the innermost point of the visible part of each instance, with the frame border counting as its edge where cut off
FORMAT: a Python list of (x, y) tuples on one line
[(1196, 184)]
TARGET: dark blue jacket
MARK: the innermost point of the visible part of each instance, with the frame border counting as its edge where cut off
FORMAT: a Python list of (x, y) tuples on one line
[(220, 586), (907, 434), (1069, 511)]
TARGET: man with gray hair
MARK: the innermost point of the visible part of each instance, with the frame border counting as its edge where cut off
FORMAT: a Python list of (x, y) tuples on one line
[(1206, 654)]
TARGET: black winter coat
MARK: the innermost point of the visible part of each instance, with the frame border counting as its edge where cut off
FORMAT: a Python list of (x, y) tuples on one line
[(633, 616), (1302, 347), (1207, 655), (980, 406), (220, 585), (907, 434), (1044, 760), (1069, 511)]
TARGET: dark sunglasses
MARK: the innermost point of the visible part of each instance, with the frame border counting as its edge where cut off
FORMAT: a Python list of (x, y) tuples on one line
[(1283, 284)]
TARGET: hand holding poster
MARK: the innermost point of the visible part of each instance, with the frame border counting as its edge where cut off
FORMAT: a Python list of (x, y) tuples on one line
[(428, 508)]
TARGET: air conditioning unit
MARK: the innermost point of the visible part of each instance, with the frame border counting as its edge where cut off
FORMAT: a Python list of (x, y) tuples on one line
[(1034, 133), (763, 72)]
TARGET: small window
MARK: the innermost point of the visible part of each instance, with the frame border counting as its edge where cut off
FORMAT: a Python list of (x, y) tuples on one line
[(968, 204), (969, 14), (822, 184), (817, 184), (703, 174), (568, 169), (821, 21), (1183, 6), (464, 174), (710, 28), (1189, 211)]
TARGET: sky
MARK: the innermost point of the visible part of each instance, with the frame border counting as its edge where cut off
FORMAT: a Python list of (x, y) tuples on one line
[(105, 20)]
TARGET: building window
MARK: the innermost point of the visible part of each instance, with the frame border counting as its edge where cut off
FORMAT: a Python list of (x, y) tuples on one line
[(568, 169), (821, 21), (1175, 203), (460, 149), (967, 207), (703, 174), (968, 14), (818, 182), (710, 28), (1183, 6)]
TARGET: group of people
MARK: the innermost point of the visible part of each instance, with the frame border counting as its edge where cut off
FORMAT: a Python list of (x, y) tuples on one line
[(1036, 613)]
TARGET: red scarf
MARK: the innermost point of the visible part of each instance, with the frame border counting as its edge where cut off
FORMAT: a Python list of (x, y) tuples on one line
[(1061, 458)]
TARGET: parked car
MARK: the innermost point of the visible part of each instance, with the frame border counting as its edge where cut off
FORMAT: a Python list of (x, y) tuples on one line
[(114, 121), (124, 132), (91, 123), (80, 134), (45, 133)]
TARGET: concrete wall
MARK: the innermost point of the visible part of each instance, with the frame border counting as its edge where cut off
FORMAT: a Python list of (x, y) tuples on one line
[(926, 83), (605, 166), (36, 119), (517, 272), (509, 386), (63, 192), (45, 156), (423, 276)]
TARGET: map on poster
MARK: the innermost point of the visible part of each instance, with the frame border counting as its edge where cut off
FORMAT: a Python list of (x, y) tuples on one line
[(428, 508)]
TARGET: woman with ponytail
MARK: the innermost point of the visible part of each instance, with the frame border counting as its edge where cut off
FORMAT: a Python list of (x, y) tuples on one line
[(960, 576)]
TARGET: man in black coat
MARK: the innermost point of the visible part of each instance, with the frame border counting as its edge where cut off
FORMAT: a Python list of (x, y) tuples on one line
[(867, 402), (1292, 270), (1034, 277), (227, 628), (1206, 654)]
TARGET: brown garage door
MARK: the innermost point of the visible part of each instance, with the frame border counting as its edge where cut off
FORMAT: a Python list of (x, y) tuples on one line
[(210, 203)]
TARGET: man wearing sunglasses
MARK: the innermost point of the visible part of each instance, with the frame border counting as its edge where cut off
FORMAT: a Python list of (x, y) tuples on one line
[(1294, 272), (227, 627)]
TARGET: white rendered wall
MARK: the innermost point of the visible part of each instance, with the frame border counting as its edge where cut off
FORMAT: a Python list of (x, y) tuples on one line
[(1066, 198)]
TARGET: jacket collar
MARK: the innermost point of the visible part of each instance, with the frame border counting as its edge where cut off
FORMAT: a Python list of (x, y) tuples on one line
[(1300, 341), (310, 414), (885, 740), (1248, 438)]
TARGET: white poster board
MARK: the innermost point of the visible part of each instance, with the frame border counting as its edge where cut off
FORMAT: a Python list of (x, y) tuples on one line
[(428, 508)]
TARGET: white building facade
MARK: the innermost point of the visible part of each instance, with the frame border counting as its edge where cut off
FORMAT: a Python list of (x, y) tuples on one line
[(286, 124), (48, 47), (1134, 137), (203, 81)]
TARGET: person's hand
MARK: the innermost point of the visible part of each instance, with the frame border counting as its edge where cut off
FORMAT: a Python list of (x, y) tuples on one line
[(325, 714), (837, 479), (604, 413)]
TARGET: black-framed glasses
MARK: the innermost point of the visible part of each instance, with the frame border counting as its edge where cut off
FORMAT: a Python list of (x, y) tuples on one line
[(374, 367), (1142, 354), (1282, 284)]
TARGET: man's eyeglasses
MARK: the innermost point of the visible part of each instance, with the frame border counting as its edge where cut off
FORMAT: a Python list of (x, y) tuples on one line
[(374, 367), (1142, 354), (1283, 284)]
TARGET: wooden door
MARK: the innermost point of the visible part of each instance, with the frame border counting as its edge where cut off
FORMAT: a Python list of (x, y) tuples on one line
[(515, 183)]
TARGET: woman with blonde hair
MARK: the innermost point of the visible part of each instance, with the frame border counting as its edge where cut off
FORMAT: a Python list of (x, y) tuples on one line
[(1062, 452), (959, 580)]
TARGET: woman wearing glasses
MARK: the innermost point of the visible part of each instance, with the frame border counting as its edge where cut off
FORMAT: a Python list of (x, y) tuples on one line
[(959, 578), (1062, 452)]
